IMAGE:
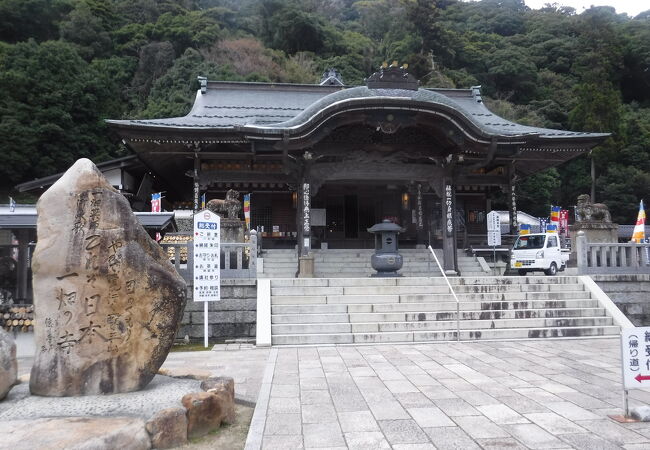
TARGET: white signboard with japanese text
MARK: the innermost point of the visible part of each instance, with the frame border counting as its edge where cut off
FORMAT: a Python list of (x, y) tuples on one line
[(207, 251), (493, 229), (635, 357)]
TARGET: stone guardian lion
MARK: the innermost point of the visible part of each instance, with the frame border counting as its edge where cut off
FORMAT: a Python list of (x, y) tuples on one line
[(591, 212), (231, 206)]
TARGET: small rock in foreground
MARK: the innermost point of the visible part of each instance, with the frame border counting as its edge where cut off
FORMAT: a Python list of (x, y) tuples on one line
[(8, 365), (168, 428), (214, 382), (204, 413)]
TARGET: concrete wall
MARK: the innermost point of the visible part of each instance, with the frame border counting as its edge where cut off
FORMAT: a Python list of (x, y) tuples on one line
[(232, 317), (631, 293)]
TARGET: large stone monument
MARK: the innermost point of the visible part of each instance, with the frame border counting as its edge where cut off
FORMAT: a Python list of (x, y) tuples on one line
[(8, 365), (595, 220), (108, 302)]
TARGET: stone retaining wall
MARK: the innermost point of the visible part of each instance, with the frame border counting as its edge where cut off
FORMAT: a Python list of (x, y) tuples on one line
[(232, 317), (631, 293)]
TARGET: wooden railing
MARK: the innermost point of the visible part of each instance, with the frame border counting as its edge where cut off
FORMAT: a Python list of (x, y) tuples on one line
[(604, 258)]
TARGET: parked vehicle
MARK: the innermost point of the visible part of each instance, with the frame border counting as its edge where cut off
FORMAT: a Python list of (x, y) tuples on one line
[(538, 252)]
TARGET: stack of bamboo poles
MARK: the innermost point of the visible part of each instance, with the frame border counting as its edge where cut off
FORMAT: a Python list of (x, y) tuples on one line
[(17, 318)]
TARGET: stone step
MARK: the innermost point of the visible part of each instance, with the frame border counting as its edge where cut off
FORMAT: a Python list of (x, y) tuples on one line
[(341, 315), (357, 290), (477, 305), (437, 325), (421, 290), (415, 299), (448, 305), (425, 336), (419, 281), (365, 281)]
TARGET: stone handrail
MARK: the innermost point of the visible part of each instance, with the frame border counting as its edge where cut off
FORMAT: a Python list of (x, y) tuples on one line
[(238, 259), (605, 258)]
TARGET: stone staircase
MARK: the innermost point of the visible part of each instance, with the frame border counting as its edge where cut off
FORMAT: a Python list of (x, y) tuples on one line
[(279, 264), (351, 263), (373, 310)]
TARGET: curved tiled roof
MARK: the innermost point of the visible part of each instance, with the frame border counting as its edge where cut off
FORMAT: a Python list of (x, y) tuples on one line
[(273, 108)]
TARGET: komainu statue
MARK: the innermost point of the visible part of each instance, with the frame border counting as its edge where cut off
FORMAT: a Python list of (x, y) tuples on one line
[(591, 212), (231, 206)]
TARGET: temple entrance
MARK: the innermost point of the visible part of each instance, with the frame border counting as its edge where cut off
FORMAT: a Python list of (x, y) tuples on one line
[(349, 209)]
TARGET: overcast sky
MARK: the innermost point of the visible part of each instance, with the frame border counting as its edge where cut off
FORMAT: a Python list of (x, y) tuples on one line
[(631, 7)]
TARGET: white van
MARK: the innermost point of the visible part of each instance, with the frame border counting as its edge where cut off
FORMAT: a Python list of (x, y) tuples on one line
[(538, 252)]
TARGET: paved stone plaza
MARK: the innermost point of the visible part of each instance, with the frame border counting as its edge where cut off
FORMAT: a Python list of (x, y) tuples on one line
[(517, 394)]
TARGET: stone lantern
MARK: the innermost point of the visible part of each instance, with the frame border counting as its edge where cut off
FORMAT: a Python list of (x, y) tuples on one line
[(386, 260)]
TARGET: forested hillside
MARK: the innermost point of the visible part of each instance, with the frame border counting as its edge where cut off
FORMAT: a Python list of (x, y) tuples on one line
[(65, 65)]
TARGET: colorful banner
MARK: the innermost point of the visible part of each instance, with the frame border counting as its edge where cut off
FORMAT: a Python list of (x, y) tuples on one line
[(555, 214), (551, 228), (543, 223), (203, 201), (247, 210), (638, 235), (564, 222), (156, 200), (524, 228)]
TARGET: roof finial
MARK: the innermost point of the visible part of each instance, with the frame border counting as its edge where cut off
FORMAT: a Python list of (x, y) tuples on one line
[(476, 93), (331, 77), (392, 77), (203, 81)]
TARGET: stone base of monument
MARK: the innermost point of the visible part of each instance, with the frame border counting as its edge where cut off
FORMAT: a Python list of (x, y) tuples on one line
[(595, 232), (232, 230), (163, 415), (306, 266)]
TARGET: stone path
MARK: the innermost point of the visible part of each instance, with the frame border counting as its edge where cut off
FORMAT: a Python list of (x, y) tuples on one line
[(491, 395)]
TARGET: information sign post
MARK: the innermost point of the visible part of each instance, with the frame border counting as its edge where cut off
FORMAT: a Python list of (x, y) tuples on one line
[(207, 269), (494, 233), (635, 361)]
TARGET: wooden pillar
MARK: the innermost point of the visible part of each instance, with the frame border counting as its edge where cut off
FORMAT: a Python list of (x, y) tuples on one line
[(512, 201), (419, 215), (449, 225), (304, 208)]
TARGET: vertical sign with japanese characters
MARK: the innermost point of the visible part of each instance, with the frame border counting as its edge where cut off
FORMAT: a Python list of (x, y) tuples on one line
[(207, 251), (420, 212), (635, 361), (449, 208), (514, 223), (306, 216)]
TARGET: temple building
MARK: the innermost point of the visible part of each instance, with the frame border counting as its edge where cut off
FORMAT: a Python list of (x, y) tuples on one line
[(325, 162)]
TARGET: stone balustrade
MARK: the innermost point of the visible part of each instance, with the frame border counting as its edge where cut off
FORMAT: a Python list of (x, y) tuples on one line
[(611, 258)]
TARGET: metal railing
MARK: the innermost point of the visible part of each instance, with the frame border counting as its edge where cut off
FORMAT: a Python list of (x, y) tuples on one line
[(452, 293), (606, 258)]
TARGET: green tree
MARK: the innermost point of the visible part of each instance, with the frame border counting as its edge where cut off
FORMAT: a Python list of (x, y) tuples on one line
[(539, 192), (51, 108), (31, 19)]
